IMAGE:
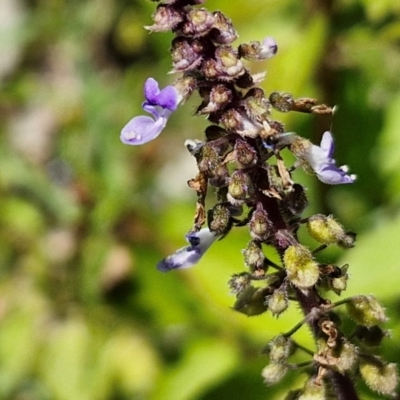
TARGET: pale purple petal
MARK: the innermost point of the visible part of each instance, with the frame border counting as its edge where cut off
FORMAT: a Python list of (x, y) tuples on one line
[(151, 90), (190, 255), (321, 161), (168, 98), (142, 129), (269, 48)]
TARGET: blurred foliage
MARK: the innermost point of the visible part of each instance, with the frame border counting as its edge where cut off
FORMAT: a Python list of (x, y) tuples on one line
[(84, 219)]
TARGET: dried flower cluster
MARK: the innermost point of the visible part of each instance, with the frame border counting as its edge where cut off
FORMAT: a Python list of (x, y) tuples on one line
[(240, 158)]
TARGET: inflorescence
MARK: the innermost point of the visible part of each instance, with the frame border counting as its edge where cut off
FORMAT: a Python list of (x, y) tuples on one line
[(240, 158)]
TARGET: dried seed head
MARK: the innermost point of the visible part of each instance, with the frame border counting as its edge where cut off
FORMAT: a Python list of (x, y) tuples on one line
[(278, 301), (281, 101), (219, 219), (253, 256), (380, 377), (274, 372), (165, 19), (365, 310), (199, 22), (217, 99), (260, 225), (238, 187), (223, 31), (324, 229), (245, 154), (301, 269), (186, 54)]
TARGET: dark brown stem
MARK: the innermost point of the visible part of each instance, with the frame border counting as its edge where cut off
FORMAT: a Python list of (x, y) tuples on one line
[(343, 386)]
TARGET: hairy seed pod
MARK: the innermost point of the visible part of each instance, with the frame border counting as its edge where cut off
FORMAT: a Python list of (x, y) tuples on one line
[(366, 310), (223, 31), (253, 256), (199, 22), (259, 223)]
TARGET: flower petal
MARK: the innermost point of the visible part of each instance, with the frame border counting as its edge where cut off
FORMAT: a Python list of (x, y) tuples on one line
[(190, 255), (142, 129), (333, 175), (269, 48), (168, 98), (327, 144), (151, 90)]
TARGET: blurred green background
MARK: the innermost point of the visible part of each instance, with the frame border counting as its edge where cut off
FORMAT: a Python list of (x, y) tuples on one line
[(83, 312)]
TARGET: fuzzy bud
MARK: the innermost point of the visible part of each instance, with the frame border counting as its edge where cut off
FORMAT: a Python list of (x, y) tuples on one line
[(222, 31), (313, 390), (274, 372), (165, 19), (239, 282), (186, 54), (278, 301), (259, 223), (302, 270), (380, 377), (347, 356), (253, 256), (251, 301), (238, 187), (199, 22), (282, 102), (279, 349), (365, 310), (324, 229), (208, 159)]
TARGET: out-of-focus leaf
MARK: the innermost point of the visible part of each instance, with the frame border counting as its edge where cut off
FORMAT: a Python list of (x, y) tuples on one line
[(205, 363)]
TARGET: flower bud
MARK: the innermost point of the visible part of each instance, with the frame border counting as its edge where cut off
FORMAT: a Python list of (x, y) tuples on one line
[(253, 256), (165, 19), (260, 225), (324, 229), (274, 372), (279, 349), (186, 54), (347, 356), (245, 154), (219, 219), (239, 282), (313, 390), (238, 187), (251, 301), (199, 22), (380, 377), (301, 269), (222, 31), (278, 301), (365, 310)]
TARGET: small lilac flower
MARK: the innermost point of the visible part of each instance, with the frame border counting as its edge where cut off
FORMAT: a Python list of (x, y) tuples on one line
[(268, 48), (187, 256), (160, 104), (320, 160)]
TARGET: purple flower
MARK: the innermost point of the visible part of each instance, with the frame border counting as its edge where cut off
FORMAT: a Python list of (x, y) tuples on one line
[(268, 48), (187, 256), (160, 104), (321, 161)]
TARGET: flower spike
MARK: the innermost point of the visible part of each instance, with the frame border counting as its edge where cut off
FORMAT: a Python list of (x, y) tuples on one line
[(186, 257), (160, 104)]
